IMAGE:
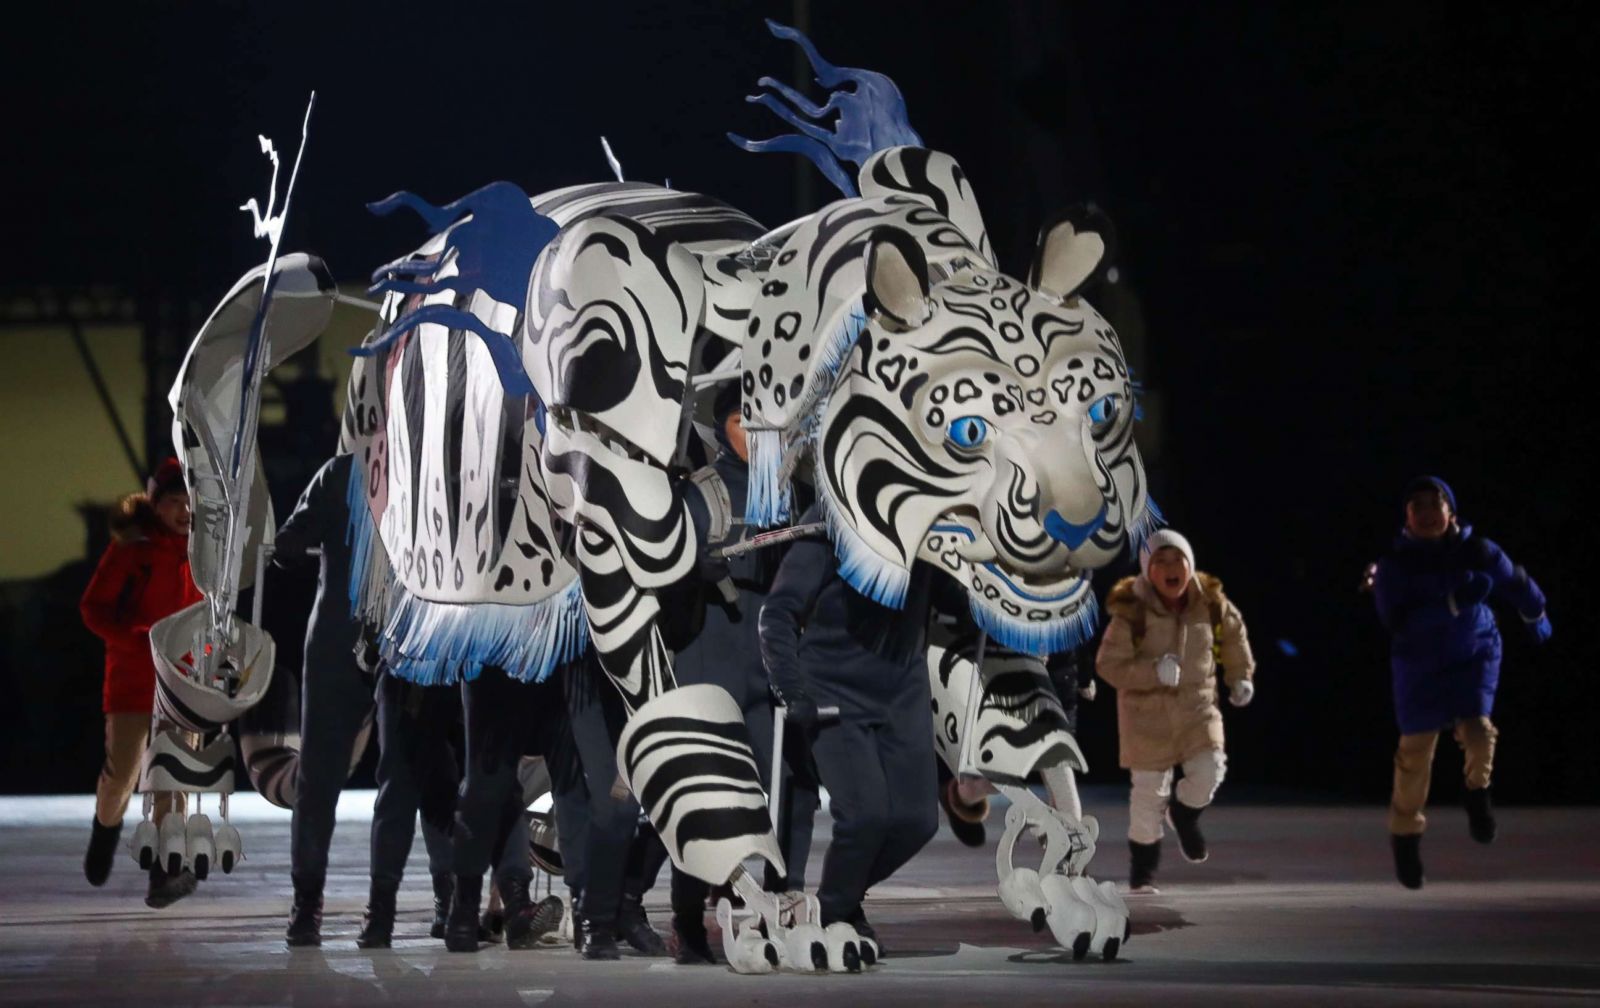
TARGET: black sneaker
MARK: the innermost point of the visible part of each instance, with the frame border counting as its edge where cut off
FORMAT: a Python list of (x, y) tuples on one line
[(102, 848), (165, 889), (1407, 858), (1186, 822), (1144, 859), (1480, 815), (694, 945), (966, 821)]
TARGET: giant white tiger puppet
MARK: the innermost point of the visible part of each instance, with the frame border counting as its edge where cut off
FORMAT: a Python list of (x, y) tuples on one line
[(521, 419)]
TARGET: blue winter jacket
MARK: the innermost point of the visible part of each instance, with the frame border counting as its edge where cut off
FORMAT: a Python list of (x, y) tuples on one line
[(1445, 651)]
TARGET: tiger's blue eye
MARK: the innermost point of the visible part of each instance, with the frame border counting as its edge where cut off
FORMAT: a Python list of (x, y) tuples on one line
[(968, 431), (1103, 410)]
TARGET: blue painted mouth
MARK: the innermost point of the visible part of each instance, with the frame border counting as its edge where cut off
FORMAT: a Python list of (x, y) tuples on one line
[(1071, 535)]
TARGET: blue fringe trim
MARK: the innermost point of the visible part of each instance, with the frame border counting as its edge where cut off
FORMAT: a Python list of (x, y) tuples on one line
[(443, 643), (1144, 526), (834, 349), (863, 569), (358, 534), (769, 498), (1035, 638)]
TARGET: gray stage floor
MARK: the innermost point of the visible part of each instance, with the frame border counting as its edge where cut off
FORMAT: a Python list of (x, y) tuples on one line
[(1297, 904)]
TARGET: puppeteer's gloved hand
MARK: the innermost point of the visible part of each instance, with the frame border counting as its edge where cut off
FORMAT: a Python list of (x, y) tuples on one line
[(1471, 587), (1086, 692), (1541, 629), (1242, 693), (801, 712), (1168, 669)]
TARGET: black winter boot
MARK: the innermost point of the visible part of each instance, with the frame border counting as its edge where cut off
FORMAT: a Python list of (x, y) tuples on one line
[(377, 927), (634, 927), (1186, 821), (443, 885), (1145, 859), (966, 821), (102, 848), (1407, 858), (599, 940), (305, 917), (858, 920), (518, 913), (1480, 815), (461, 927), (694, 945), (165, 889)]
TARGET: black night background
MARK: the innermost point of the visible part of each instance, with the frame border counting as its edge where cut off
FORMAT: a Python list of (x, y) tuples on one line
[(1357, 243)]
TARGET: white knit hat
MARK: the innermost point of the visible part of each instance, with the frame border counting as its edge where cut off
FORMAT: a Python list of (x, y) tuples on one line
[(1165, 537)]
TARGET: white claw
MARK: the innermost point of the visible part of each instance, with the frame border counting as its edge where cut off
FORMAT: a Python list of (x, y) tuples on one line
[(145, 844), (805, 948), (173, 844), (199, 847), (1072, 920), (1021, 893), (844, 949)]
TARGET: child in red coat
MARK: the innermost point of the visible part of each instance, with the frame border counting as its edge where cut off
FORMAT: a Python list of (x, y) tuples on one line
[(142, 577)]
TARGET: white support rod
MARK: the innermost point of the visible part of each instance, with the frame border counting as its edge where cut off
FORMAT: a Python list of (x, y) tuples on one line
[(355, 302)]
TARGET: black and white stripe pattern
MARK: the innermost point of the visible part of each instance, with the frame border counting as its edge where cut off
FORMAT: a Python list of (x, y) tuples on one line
[(686, 755), (1017, 727)]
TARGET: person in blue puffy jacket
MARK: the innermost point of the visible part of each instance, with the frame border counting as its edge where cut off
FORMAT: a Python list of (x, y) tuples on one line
[(1433, 592)]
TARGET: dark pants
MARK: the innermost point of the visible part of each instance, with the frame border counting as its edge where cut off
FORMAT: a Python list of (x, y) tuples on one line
[(881, 781), (504, 719), (605, 848), (335, 697), (418, 771)]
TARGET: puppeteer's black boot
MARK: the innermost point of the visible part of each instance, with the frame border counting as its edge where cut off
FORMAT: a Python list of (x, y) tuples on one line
[(165, 889), (461, 927), (377, 927), (305, 917), (1144, 859), (1407, 858), (102, 848), (694, 945), (599, 940), (1480, 815), (633, 926), (966, 821), (443, 885), (525, 921), (1186, 822)]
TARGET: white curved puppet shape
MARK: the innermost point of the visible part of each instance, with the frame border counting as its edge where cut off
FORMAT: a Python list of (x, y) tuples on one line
[(1005, 725), (211, 664)]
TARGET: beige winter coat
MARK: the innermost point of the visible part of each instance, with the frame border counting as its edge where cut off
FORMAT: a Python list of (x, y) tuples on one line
[(1159, 726)]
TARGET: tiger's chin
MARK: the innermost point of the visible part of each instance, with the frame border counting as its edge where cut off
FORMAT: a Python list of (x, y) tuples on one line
[(1025, 612)]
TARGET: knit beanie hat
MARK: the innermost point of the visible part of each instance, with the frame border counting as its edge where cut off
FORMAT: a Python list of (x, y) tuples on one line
[(168, 478), (1422, 483), (1165, 537)]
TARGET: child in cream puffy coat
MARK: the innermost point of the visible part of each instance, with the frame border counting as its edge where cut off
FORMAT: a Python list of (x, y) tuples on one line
[(1170, 629)]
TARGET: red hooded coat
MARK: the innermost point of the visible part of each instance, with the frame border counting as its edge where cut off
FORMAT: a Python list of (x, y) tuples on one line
[(142, 577)]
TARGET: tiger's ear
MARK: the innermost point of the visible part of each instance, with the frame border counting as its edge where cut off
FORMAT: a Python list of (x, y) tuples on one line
[(1075, 250), (897, 278)]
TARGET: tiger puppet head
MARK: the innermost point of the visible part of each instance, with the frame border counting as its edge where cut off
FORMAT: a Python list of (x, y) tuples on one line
[(955, 414)]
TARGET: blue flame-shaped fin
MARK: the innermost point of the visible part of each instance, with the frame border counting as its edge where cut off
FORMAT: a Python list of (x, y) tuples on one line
[(871, 116), (496, 236)]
